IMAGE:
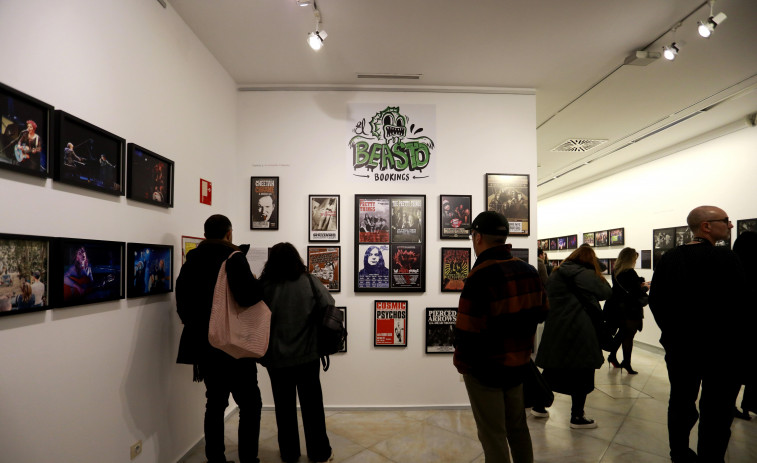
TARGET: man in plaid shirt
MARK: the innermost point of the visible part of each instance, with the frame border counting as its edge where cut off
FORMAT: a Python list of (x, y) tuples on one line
[(502, 302)]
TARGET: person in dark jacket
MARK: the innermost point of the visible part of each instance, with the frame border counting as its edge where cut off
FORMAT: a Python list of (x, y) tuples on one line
[(625, 309), (569, 351), (292, 359), (502, 302), (745, 248), (697, 299), (222, 374)]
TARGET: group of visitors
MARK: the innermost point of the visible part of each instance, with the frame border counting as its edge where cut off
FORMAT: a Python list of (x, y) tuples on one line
[(292, 358)]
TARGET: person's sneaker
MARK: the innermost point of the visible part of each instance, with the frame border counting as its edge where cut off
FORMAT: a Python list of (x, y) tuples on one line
[(582, 422), (540, 412)]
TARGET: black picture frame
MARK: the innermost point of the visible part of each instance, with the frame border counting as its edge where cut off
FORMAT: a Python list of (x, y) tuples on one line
[(24, 266), (324, 218), (149, 178), (390, 229), (617, 236), (601, 238), (440, 330), (455, 265), (663, 240), (572, 241), (589, 238), (455, 212), (19, 151), (325, 263), (520, 253), (746, 225), (264, 203), (553, 244), (604, 263), (104, 281), (88, 156), (390, 323), (683, 235), (509, 194), (343, 309), (562, 243), (149, 269)]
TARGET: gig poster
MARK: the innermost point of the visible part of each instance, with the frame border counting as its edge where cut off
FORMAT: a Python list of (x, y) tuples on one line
[(390, 323), (455, 217), (324, 218), (440, 330), (406, 265), (508, 194), (324, 264), (455, 268), (390, 237), (264, 203)]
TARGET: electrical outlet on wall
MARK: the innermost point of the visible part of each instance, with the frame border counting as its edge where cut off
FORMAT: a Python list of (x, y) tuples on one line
[(136, 449)]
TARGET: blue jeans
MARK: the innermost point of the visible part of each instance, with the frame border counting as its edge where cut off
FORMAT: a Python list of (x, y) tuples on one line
[(500, 417)]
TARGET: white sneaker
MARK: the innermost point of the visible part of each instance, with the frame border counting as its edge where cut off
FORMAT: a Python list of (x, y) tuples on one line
[(540, 413)]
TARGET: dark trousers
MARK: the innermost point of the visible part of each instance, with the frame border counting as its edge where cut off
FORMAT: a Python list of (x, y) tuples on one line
[(303, 381), (224, 375), (719, 392)]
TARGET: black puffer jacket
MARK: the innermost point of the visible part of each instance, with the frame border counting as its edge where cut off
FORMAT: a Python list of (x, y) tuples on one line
[(194, 294)]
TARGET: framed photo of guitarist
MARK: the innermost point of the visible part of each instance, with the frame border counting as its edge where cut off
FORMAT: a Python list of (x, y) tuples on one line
[(25, 133), (87, 271), (88, 156)]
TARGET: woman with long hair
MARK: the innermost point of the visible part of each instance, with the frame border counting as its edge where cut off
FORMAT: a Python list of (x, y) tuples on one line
[(292, 359), (569, 351), (25, 300), (625, 309)]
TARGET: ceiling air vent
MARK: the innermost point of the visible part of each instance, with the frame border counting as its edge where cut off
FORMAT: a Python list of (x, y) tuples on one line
[(577, 144)]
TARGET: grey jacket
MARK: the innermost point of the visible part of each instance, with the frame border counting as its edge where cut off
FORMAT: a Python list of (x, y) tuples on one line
[(293, 338), (569, 339)]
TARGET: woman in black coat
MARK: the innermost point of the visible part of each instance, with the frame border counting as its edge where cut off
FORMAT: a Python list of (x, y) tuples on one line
[(625, 309), (569, 351)]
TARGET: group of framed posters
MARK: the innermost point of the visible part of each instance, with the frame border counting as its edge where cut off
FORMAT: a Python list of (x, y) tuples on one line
[(508, 194), (390, 243), (38, 140), (39, 273)]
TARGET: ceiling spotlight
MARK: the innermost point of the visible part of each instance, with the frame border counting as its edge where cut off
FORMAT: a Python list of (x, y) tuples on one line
[(315, 39), (670, 51), (706, 28), (304, 2)]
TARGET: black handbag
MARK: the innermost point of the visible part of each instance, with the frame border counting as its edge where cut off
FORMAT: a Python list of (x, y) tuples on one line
[(332, 334), (536, 391)]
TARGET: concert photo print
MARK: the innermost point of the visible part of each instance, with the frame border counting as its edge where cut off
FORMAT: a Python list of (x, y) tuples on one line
[(24, 284), (88, 156), (149, 177), (91, 271), (24, 133), (150, 269)]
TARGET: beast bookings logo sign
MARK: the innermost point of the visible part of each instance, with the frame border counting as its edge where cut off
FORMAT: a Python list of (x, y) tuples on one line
[(391, 144)]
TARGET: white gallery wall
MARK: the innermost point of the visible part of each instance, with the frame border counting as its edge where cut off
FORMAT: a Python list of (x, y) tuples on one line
[(301, 137), (659, 194), (85, 383)]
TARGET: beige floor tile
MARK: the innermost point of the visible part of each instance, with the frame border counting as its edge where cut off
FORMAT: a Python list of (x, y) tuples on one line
[(368, 428), (621, 454), (557, 445), (457, 421), (646, 435), (428, 443), (650, 410), (621, 391)]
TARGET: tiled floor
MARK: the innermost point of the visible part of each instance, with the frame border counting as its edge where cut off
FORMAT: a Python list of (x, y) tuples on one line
[(630, 410)]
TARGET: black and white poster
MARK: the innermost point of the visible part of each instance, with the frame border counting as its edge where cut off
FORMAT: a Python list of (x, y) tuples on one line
[(440, 330)]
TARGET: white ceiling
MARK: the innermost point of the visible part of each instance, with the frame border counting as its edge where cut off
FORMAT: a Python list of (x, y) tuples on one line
[(571, 53)]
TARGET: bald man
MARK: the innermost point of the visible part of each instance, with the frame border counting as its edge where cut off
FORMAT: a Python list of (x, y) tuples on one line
[(696, 298)]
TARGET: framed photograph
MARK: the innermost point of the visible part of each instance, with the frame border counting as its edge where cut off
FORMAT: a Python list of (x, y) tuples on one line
[(520, 253), (601, 238), (390, 243), (617, 236), (589, 238), (573, 242), (325, 263), (149, 269), (663, 239), (24, 274), (25, 133), (562, 243), (149, 178), (455, 267), (187, 244), (544, 245), (390, 323), (90, 271), (553, 244), (264, 203), (604, 264), (454, 216), (324, 220), (645, 256), (88, 156), (440, 330), (683, 235), (611, 265), (746, 225), (344, 315), (508, 194)]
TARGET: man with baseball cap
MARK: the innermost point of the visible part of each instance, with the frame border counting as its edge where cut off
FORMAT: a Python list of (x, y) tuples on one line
[(502, 302)]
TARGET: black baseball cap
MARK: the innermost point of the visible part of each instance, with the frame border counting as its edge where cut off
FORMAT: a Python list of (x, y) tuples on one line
[(491, 223)]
